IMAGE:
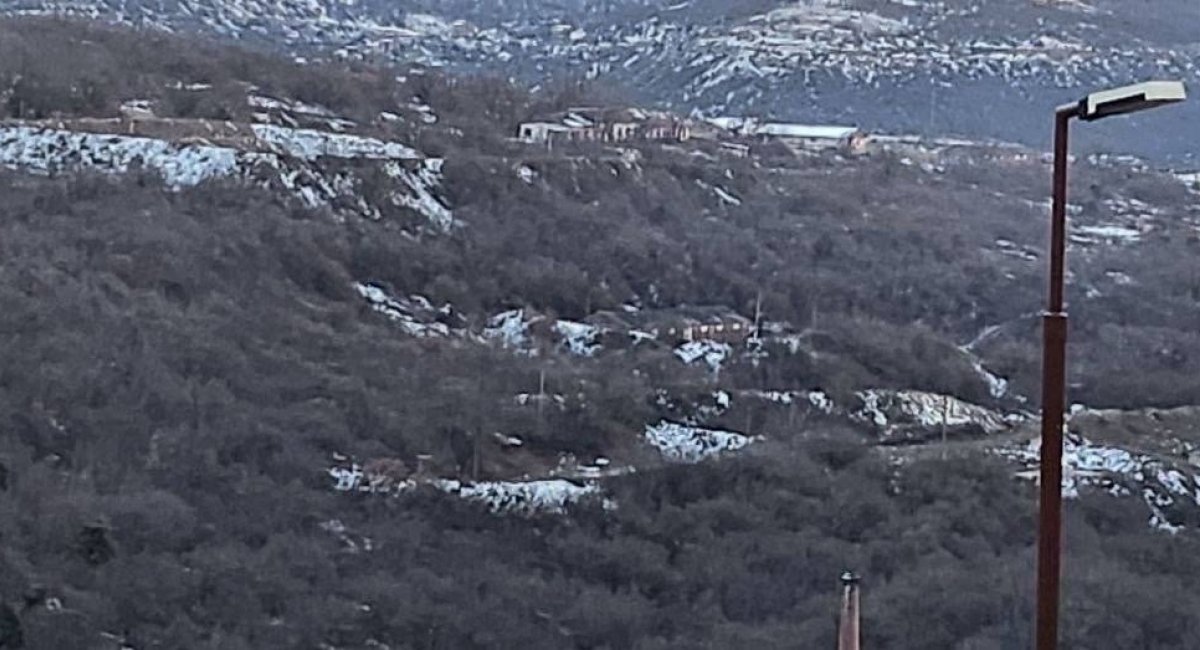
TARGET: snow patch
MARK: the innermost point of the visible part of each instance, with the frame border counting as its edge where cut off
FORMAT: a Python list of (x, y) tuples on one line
[(1120, 278), (711, 352), (580, 338), (270, 103), (402, 311), (820, 401), (525, 498), (1119, 472), (776, 396), (1112, 233), (725, 196), (310, 144), (50, 151), (528, 498), (896, 410), (423, 183), (509, 328), (681, 443)]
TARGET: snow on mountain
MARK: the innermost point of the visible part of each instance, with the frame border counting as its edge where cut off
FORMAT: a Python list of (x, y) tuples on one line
[(405, 312), (510, 329), (524, 498), (997, 385), (896, 412), (50, 151), (293, 161), (680, 443), (579, 338), (423, 184), (1171, 492), (310, 144), (816, 399), (713, 353)]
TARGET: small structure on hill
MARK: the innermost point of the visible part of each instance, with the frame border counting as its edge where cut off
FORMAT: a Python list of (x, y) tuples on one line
[(605, 125), (814, 137), (685, 324), (810, 137), (542, 131)]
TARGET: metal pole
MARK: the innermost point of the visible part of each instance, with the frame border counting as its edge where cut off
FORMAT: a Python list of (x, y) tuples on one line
[(849, 625), (1054, 362)]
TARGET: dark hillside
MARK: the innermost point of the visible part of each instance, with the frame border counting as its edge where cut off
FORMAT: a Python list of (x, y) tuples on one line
[(182, 365)]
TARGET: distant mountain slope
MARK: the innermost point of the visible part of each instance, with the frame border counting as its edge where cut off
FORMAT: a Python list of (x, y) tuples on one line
[(985, 68)]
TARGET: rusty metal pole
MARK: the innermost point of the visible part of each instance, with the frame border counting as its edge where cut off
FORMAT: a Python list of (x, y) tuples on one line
[(1054, 372), (849, 622)]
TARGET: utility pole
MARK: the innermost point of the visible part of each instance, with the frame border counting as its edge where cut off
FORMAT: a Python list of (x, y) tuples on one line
[(945, 422), (849, 624), (475, 454), (758, 316), (541, 401), (932, 105)]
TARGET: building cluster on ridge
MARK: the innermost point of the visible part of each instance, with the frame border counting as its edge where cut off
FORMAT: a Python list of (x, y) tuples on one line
[(614, 125)]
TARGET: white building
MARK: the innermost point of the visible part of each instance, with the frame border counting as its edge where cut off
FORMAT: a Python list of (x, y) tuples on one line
[(542, 131), (609, 125), (806, 136), (815, 136)]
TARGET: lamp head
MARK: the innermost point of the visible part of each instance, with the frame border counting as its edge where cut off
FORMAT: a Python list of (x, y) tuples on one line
[(1131, 99)]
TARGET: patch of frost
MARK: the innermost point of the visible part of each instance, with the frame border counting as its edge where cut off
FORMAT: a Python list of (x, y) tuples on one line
[(50, 150), (311, 144), (887, 409), (509, 328), (522, 498), (526, 174), (711, 352), (580, 338), (997, 385), (725, 196), (401, 311), (821, 401), (422, 196), (1118, 472), (526, 498), (680, 443)]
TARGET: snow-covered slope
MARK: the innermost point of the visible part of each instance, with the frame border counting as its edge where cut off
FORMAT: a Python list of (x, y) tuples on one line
[(906, 414), (1170, 491), (687, 444), (552, 496), (316, 168)]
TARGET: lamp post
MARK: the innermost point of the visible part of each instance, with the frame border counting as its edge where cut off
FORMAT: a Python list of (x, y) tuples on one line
[(1095, 106)]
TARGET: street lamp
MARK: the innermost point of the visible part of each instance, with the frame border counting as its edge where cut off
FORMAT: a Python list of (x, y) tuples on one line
[(1095, 106)]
